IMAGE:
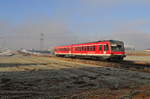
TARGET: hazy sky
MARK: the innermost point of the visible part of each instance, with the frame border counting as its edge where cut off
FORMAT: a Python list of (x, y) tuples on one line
[(72, 21)]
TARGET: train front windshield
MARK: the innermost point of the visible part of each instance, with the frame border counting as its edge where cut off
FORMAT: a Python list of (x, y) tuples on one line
[(117, 47)]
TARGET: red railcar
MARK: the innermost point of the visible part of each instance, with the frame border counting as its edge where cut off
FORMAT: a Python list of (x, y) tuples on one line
[(106, 49)]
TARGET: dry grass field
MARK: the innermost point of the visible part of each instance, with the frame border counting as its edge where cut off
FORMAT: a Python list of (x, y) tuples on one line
[(141, 56), (30, 77), (138, 53), (138, 58)]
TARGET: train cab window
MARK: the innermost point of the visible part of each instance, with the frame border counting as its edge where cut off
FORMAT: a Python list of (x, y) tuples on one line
[(105, 47), (100, 47)]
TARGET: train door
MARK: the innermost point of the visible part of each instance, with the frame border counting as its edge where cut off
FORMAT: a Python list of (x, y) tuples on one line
[(70, 50), (106, 49), (103, 49), (100, 49)]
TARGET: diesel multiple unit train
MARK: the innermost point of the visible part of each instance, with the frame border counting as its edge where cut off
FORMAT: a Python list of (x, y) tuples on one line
[(106, 49)]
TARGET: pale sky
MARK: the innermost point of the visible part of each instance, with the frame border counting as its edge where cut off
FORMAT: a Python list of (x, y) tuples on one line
[(73, 21)]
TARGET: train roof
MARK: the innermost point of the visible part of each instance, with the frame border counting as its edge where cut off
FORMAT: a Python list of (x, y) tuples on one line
[(112, 41)]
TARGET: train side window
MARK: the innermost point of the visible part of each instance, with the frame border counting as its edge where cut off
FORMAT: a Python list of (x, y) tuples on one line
[(94, 48), (88, 48), (91, 48), (81, 48), (100, 47), (105, 47), (85, 48), (76, 49)]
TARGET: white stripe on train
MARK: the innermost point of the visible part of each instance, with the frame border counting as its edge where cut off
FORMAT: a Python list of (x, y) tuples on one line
[(83, 54), (86, 54)]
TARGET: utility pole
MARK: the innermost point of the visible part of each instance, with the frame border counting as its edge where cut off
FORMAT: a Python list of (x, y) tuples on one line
[(42, 41)]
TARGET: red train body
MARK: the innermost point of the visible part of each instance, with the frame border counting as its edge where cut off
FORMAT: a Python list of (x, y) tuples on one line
[(107, 49)]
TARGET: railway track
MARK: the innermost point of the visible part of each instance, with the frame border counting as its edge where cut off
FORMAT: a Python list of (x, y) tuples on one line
[(131, 65)]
